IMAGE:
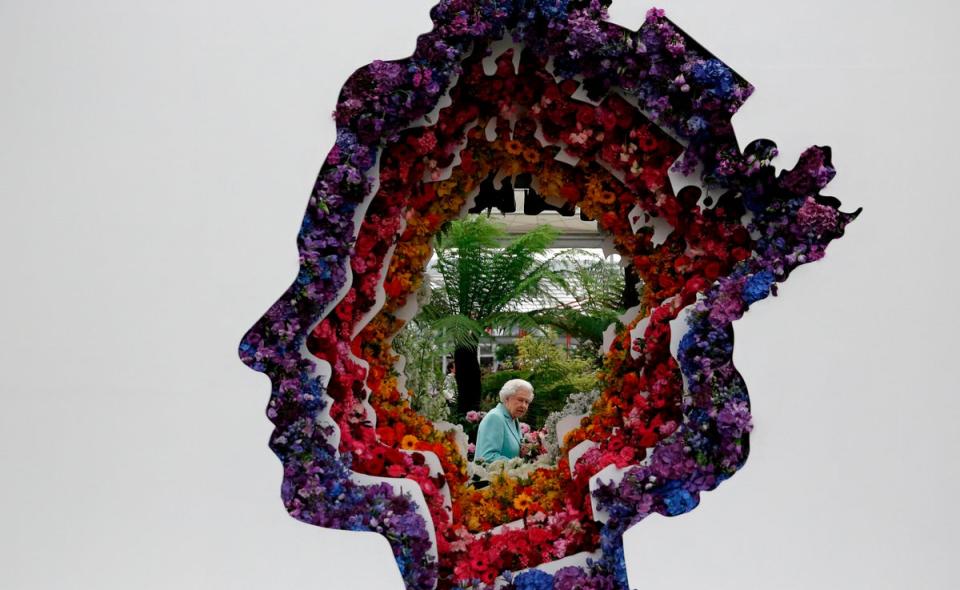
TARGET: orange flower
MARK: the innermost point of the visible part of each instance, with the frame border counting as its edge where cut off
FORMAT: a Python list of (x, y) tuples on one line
[(607, 197), (531, 155), (522, 502), (409, 442), (514, 147)]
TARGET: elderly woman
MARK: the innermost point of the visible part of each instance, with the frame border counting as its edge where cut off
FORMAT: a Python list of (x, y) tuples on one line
[(499, 433)]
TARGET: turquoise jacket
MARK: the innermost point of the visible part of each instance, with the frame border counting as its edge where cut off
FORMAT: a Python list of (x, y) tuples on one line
[(498, 436)]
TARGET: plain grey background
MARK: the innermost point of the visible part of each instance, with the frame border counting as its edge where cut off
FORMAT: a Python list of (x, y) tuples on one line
[(155, 162)]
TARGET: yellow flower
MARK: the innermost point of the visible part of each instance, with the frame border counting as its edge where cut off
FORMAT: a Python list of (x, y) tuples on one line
[(522, 502), (409, 442)]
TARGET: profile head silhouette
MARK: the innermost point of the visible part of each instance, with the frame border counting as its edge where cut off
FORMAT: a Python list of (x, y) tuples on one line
[(599, 117)]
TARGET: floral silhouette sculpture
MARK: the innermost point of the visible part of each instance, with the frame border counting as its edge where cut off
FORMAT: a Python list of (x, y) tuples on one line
[(598, 115)]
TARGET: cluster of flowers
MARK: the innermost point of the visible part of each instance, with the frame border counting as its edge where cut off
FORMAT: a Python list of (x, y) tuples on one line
[(577, 404), (651, 96)]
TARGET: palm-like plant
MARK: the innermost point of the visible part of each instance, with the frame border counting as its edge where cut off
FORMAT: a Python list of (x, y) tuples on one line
[(488, 282), (597, 288)]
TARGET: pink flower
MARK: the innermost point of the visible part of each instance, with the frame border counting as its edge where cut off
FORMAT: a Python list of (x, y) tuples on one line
[(473, 416)]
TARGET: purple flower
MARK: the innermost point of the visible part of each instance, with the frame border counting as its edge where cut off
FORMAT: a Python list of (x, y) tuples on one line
[(570, 578), (734, 419), (817, 219)]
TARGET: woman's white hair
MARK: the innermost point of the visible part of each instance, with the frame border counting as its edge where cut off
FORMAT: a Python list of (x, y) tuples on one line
[(512, 386)]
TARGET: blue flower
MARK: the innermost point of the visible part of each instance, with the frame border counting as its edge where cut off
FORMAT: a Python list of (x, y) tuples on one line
[(553, 8), (697, 124), (534, 580), (688, 344), (714, 77), (678, 500), (757, 287)]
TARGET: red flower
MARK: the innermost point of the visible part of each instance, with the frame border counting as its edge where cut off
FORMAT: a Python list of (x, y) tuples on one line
[(670, 205), (643, 264), (570, 193), (585, 116), (568, 87), (740, 235), (479, 563), (466, 162), (615, 443), (666, 282), (712, 270), (739, 254), (646, 141), (608, 119), (652, 177), (647, 437), (393, 288), (374, 466), (695, 285)]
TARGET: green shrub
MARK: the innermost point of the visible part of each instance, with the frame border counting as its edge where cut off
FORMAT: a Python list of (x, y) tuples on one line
[(507, 353)]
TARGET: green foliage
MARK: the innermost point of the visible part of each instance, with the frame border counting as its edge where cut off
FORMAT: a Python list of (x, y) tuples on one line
[(554, 374), (507, 353), (491, 384), (485, 280), (552, 364), (421, 345), (597, 288)]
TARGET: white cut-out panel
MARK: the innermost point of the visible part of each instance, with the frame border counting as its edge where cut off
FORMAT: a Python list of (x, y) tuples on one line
[(678, 328), (679, 181), (513, 525), (565, 157), (497, 49), (566, 424), (581, 93), (640, 219)]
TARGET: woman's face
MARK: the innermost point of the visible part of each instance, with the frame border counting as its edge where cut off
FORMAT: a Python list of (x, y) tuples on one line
[(518, 403)]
